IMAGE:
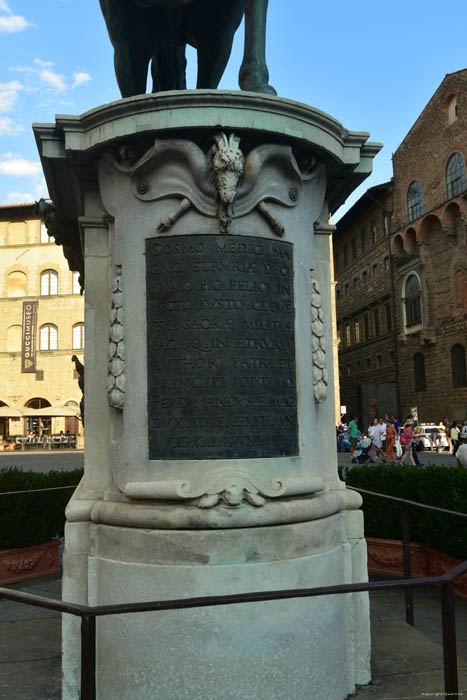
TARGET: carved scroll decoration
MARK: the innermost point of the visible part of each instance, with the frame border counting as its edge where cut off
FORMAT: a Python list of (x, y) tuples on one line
[(318, 345), (116, 375), (222, 183)]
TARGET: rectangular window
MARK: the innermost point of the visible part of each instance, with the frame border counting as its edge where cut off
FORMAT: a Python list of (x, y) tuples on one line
[(338, 294), (359, 366), (349, 369), (375, 269), (357, 331), (388, 317), (346, 289), (391, 357), (366, 323), (364, 277), (378, 361), (355, 283), (368, 362), (44, 235), (386, 263), (76, 284), (348, 340), (376, 321)]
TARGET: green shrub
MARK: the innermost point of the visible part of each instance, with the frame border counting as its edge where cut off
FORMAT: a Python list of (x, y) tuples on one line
[(443, 487), (35, 517)]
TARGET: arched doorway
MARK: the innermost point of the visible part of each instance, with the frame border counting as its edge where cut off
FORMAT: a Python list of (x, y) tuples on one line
[(36, 425)]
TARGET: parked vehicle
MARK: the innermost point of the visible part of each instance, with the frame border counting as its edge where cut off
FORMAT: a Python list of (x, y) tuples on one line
[(424, 437)]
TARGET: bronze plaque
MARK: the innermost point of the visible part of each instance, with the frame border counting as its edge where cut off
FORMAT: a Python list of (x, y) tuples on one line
[(221, 348)]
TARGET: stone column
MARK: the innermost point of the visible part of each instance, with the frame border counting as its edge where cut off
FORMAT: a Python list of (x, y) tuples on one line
[(210, 439)]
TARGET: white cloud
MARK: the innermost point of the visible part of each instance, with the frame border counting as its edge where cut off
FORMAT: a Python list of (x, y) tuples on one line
[(53, 79), (13, 23), (9, 128), (80, 79), (14, 165), (9, 95), (44, 64)]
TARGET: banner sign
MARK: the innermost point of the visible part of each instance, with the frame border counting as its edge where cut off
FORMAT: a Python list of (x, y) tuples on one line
[(28, 346)]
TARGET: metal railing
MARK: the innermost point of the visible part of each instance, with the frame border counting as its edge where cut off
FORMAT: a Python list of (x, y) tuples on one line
[(88, 614)]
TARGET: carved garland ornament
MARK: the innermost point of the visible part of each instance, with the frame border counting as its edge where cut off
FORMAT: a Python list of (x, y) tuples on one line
[(116, 375), (318, 345)]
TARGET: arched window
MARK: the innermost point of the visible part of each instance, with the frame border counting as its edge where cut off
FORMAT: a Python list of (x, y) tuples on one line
[(452, 109), (17, 284), (455, 175), (412, 300), (13, 338), (78, 336), (419, 381), (459, 375), (49, 283), (414, 201), (49, 337)]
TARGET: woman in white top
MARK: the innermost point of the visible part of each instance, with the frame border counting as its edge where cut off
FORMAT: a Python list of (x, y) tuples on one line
[(374, 432)]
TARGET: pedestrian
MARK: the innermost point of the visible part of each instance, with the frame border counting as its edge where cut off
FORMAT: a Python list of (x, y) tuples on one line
[(463, 435), (382, 427), (406, 442), (416, 429), (454, 438), (374, 432), (461, 456), (353, 430), (340, 437), (447, 430), (397, 425), (390, 454)]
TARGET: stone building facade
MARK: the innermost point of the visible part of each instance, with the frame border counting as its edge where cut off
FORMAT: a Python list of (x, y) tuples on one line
[(422, 271), (33, 269)]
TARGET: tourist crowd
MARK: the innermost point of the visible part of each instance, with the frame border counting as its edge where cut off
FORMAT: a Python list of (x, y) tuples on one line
[(389, 440)]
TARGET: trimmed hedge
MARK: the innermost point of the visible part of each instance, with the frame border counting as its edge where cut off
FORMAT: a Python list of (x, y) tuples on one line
[(35, 517), (444, 487)]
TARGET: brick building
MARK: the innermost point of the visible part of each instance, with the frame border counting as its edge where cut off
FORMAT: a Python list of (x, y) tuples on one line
[(417, 357), (35, 274)]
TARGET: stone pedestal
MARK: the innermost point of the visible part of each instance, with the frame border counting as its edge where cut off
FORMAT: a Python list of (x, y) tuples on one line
[(200, 220)]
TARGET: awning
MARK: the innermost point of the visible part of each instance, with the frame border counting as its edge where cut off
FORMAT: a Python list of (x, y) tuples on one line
[(51, 412), (7, 412)]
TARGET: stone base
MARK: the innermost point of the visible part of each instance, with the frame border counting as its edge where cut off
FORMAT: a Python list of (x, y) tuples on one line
[(299, 648)]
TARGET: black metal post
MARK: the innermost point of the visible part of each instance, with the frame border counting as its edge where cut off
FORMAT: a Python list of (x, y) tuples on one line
[(407, 562), (449, 638), (88, 657)]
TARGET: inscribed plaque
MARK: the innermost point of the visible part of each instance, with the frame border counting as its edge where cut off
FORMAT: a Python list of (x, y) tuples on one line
[(221, 348)]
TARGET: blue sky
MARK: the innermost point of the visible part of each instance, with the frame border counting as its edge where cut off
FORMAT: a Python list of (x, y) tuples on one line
[(371, 66)]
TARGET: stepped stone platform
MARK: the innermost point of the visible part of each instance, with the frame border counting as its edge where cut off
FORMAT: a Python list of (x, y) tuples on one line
[(407, 663)]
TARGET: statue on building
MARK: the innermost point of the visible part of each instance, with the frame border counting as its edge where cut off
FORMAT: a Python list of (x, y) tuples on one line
[(157, 31)]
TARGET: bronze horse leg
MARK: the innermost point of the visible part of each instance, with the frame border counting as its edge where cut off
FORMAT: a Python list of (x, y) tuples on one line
[(254, 75)]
